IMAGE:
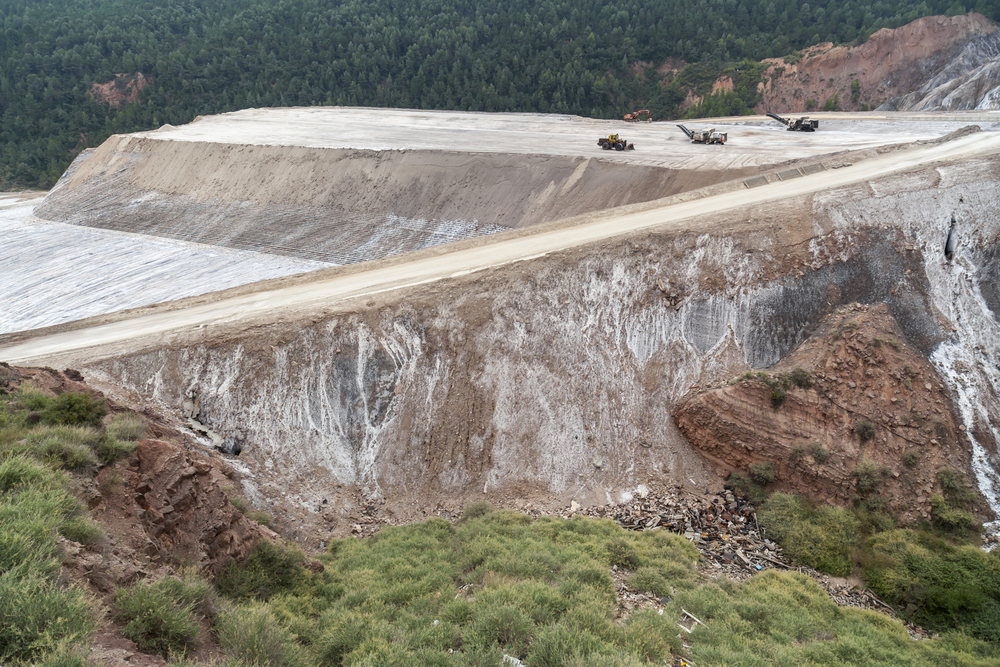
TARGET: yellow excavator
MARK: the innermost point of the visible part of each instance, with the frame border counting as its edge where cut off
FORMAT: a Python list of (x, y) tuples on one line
[(616, 142)]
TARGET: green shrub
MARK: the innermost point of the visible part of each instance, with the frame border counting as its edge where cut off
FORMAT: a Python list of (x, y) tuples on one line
[(649, 579), (269, 569), (744, 487), (252, 635), (38, 616), (950, 519), (263, 518), (159, 617), (938, 584), (75, 410), (762, 472), (82, 529), (558, 645), (127, 426), (777, 398), (910, 458), (822, 538), (651, 636), (109, 449), (69, 446), (819, 453), (865, 430), (476, 509), (956, 487), (622, 554), (869, 476), (503, 626)]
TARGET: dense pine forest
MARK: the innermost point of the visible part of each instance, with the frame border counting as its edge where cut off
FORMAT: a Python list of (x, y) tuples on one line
[(595, 58)]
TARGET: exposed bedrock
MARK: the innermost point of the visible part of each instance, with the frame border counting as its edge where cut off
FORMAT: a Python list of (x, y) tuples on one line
[(863, 397), (561, 374), (339, 205)]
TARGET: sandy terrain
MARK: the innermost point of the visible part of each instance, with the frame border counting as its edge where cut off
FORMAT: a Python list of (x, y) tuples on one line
[(325, 290), (753, 140)]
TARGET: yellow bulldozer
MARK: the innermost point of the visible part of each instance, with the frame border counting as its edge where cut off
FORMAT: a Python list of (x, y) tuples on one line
[(616, 142)]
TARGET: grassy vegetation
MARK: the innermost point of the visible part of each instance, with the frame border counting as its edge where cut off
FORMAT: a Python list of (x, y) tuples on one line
[(161, 617), (931, 577), (494, 583), (41, 438)]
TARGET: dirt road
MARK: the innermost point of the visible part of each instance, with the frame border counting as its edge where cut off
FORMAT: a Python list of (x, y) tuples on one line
[(334, 287)]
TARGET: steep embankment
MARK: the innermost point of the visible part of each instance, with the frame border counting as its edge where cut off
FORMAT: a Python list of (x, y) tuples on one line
[(969, 81), (559, 377), (339, 205), (891, 63), (865, 395)]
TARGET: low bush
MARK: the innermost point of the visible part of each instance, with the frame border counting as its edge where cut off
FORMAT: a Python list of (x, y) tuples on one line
[(762, 472), (777, 398), (869, 476), (951, 519), (956, 487), (476, 510), (253, 636), (269, 569), (127, 426), (865, 430), (109, 449), (819, 453), (39, 616), (910, 458), (822, 537), (938, 584), (744, 487), (159, 617), (74, 410)]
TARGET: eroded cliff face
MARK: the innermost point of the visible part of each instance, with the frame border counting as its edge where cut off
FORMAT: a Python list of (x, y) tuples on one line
[(859, 374), (891, 63), (557, 377)]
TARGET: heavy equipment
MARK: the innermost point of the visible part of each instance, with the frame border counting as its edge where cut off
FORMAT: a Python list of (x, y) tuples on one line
[(616, 142), (705, 136), (801, 124), (636, 116)]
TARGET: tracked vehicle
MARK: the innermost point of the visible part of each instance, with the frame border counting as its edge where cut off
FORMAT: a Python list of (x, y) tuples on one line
[(801, 124)]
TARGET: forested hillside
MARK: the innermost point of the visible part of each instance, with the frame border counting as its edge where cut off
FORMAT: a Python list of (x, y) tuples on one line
[(590, 57)]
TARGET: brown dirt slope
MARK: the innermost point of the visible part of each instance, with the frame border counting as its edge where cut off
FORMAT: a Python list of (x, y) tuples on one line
[(891, 63), (341, 205), (862, 371)]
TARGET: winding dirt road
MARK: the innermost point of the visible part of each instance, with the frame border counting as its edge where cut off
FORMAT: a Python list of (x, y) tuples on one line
[(327, 290)]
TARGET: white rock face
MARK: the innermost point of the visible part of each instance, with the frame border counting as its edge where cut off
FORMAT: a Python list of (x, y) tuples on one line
[(970, 81), (525, 376)]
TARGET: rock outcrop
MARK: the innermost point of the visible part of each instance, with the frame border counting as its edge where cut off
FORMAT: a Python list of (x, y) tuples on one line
[(867, 396), (890, 64), (970, 81)]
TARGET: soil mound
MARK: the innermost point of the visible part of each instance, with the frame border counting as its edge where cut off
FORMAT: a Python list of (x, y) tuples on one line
[(340, 205)]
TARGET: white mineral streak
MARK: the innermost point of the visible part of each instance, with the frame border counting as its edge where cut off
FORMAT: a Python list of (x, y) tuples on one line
[(969, 357), (58, 273)]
